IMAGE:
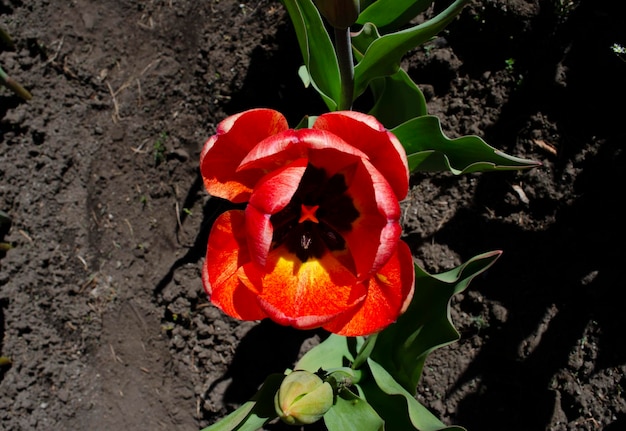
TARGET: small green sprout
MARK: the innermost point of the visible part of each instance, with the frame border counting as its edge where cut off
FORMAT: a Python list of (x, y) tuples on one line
[(159, 149), (509, 64), (479, 322), (619, 50), (564, 7)]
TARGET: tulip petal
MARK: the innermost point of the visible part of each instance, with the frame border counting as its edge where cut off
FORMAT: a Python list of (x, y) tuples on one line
[(364, 132), (227, 251), (304, 294), (271, 194), (373, 236), (389, 293), (224, 151), (322, 148)]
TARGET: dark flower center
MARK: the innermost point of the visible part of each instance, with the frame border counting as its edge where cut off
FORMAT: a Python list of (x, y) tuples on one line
[(318, 213)]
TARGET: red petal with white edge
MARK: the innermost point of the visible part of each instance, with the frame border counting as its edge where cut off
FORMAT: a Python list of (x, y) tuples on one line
[(364, 132), (227, 251), (271, 194), (305, 294), (375, 233), (223, 152), (389, 293), (322, 148)]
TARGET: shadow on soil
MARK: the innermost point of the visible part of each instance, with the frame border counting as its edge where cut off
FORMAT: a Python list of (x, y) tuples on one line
[(572, 265)]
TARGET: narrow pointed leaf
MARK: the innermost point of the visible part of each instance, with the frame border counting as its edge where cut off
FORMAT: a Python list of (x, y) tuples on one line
[(317, 50), (233, 420), (383, 56), (253, 414), (428, 150), (426, 325), (390, 15)]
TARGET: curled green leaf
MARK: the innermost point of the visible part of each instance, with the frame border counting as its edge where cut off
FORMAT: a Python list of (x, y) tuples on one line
[(398, 407), (389, 15), (383, 55), (429, 150), (403, 347)]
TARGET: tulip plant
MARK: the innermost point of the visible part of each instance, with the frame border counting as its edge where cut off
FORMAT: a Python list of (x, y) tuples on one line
[(316, 240)]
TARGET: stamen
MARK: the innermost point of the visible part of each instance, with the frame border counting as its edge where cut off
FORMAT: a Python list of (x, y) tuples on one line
[(305, 241), (307, 212)]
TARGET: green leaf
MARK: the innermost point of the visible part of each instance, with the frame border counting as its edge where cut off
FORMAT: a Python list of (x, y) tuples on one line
[(306, 122), (352, 413), (428, 149), (253, 414), (402, 347), (334, 352), (233, 420), (303, 73), (317, 50), (383, 56), (398, 99), (366, 3), (392, 14), (398, 408), (362, 40)]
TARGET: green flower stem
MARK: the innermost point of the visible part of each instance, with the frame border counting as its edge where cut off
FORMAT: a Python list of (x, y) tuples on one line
[(343, 378), (13, 85), (343, 46), (346, 376)]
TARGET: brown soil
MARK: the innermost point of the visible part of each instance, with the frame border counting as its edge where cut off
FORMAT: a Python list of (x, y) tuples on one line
[(101, 306)]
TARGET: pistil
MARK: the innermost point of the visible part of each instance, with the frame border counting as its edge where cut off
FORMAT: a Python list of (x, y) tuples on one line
[(308, 212)]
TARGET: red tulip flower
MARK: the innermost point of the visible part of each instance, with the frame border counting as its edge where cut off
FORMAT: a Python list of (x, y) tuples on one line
[(318, 243)]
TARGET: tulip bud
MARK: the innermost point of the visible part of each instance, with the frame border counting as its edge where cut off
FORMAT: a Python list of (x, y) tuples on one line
[(339, 13), (303, 398)]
